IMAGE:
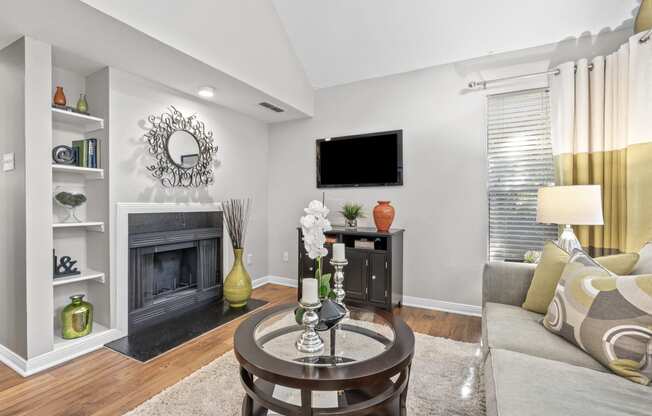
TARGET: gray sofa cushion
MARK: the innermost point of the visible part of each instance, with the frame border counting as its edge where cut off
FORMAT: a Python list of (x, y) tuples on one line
[(515, 329), (526, 385), (504, 282)]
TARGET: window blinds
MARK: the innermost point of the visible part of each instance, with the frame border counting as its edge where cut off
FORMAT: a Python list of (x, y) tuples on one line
[(520, 161)]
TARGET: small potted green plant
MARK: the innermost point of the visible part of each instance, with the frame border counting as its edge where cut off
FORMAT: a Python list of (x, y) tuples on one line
[(351, 212)]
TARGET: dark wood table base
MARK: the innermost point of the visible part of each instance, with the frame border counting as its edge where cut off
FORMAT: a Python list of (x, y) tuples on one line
[(383, 398)]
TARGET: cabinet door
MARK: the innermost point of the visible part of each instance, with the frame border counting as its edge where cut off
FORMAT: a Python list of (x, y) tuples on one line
[(378, 278), (355, 274)]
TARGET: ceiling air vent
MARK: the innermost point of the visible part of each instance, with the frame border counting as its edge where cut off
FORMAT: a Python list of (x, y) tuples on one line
[(271, 107)]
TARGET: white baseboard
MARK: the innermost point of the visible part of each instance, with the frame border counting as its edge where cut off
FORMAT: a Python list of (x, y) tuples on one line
[(440, 305), (277, 280), (57, 356), (413, 301), (13, 360)]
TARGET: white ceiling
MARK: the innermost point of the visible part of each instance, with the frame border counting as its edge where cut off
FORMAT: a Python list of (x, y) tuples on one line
[(341, 41), (237, 46), (242, 38)]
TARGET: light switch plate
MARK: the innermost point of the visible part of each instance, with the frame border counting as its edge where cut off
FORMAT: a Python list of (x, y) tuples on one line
[(8, 162), (250, 258)]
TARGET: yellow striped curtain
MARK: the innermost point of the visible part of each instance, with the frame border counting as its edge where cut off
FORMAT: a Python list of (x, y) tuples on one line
[(602, 135)]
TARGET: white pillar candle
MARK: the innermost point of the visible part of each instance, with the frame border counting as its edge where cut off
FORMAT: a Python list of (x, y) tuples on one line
[(338, 252), (309, 293)]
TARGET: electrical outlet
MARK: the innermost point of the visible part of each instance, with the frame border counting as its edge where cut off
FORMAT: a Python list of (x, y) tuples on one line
[(8, 162), (250, 258), (286, 256)]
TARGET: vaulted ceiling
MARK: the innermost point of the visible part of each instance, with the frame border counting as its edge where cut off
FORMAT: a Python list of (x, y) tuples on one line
[(279, 50), (341, 41)]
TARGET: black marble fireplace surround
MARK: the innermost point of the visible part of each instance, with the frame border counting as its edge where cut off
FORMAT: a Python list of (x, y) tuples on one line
[(175, 264), (175, 282)]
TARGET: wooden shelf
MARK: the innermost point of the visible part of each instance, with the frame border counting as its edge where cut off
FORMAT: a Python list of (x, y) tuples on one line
[(88, 274), (89, 226), (98, 331), (86, 123), (88, 173)]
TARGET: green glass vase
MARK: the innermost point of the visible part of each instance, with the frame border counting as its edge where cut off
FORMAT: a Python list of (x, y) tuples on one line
[(237, 285), (82, 104), (76, 318)]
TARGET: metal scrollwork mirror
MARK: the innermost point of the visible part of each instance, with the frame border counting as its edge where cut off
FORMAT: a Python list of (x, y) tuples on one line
[(183, 150)]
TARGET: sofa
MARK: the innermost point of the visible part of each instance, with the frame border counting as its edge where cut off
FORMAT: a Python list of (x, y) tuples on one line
[(530, 371)]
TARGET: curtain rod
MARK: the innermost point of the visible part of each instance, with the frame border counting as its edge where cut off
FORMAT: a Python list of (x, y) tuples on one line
[(483, 84)]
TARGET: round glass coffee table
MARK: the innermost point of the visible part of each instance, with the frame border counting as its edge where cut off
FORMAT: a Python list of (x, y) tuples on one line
[(364, 368)]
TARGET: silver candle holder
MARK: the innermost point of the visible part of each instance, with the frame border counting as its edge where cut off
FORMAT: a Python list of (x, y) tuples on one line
[(338, 280), (309, 341)]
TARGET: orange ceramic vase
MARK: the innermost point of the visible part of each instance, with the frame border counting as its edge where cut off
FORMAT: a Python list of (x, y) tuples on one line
[(383, 216), (59, 97)]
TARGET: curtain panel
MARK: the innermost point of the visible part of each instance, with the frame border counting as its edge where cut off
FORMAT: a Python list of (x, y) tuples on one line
[(602, 135)]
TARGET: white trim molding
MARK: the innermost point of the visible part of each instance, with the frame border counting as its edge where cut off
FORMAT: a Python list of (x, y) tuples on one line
[(441, 305), (278, 280), (57, 356), (13, 360)]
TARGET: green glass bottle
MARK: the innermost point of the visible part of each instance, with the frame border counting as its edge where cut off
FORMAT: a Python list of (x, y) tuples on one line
[(76, 318), (82, 104)]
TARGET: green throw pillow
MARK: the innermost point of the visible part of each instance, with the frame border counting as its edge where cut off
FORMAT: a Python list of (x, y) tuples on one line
[(609, 317), (550, 267)]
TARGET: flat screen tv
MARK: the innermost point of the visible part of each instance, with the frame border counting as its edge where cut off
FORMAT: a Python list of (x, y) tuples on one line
[(374, 159)]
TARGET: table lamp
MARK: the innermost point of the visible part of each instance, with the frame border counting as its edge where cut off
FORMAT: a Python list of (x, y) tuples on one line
[(567, 206)]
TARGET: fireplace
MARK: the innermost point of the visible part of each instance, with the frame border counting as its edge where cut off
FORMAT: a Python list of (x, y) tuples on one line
[(174, 264)]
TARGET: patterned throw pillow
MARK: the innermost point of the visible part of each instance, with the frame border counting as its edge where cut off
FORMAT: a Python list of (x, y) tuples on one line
[(549, 269), (607, 316)]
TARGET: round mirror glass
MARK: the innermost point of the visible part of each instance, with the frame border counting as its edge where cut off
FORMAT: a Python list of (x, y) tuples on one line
[(183, 149)]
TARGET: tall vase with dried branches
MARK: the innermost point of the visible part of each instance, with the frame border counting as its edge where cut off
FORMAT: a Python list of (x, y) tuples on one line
[(237, 285)]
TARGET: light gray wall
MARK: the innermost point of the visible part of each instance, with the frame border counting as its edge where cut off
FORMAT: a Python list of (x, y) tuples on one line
[(13, 324), (443, 204), (241, 169)]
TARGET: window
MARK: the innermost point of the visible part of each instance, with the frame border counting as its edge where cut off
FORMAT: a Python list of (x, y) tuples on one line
[(519, 150)]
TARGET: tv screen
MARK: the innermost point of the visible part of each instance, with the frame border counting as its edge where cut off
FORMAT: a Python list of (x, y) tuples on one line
[(374, 159)]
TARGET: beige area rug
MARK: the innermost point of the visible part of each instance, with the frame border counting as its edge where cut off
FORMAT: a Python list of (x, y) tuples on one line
[(445, 380)]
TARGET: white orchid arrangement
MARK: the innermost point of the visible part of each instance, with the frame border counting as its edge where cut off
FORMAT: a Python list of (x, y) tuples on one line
[(313, 226)]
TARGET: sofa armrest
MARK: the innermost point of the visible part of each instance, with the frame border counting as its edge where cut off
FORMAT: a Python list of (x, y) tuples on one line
[(505, 282)]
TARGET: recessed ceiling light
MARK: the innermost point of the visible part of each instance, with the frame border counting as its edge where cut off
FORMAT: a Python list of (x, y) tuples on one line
[(206, 92)]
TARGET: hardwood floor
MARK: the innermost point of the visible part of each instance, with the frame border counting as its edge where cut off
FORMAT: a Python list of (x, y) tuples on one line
[(108, 383)]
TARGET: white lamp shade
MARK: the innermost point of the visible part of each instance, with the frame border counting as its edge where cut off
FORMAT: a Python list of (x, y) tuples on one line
[(574, 205)]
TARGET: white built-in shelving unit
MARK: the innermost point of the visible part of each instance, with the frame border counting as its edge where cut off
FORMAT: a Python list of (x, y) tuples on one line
[(87, 242), (37, 303)]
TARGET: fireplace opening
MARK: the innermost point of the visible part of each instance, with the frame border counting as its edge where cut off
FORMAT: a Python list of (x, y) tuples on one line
[(174, 270)]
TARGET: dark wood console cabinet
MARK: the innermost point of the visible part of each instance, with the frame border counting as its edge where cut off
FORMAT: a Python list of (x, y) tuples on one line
[(373, 277)]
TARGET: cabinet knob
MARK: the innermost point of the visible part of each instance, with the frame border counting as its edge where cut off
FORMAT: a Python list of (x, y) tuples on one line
[(373, 277), (310, 268)]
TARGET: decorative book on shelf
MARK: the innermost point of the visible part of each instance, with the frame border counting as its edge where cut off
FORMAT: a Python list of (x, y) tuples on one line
[(88, 152)]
